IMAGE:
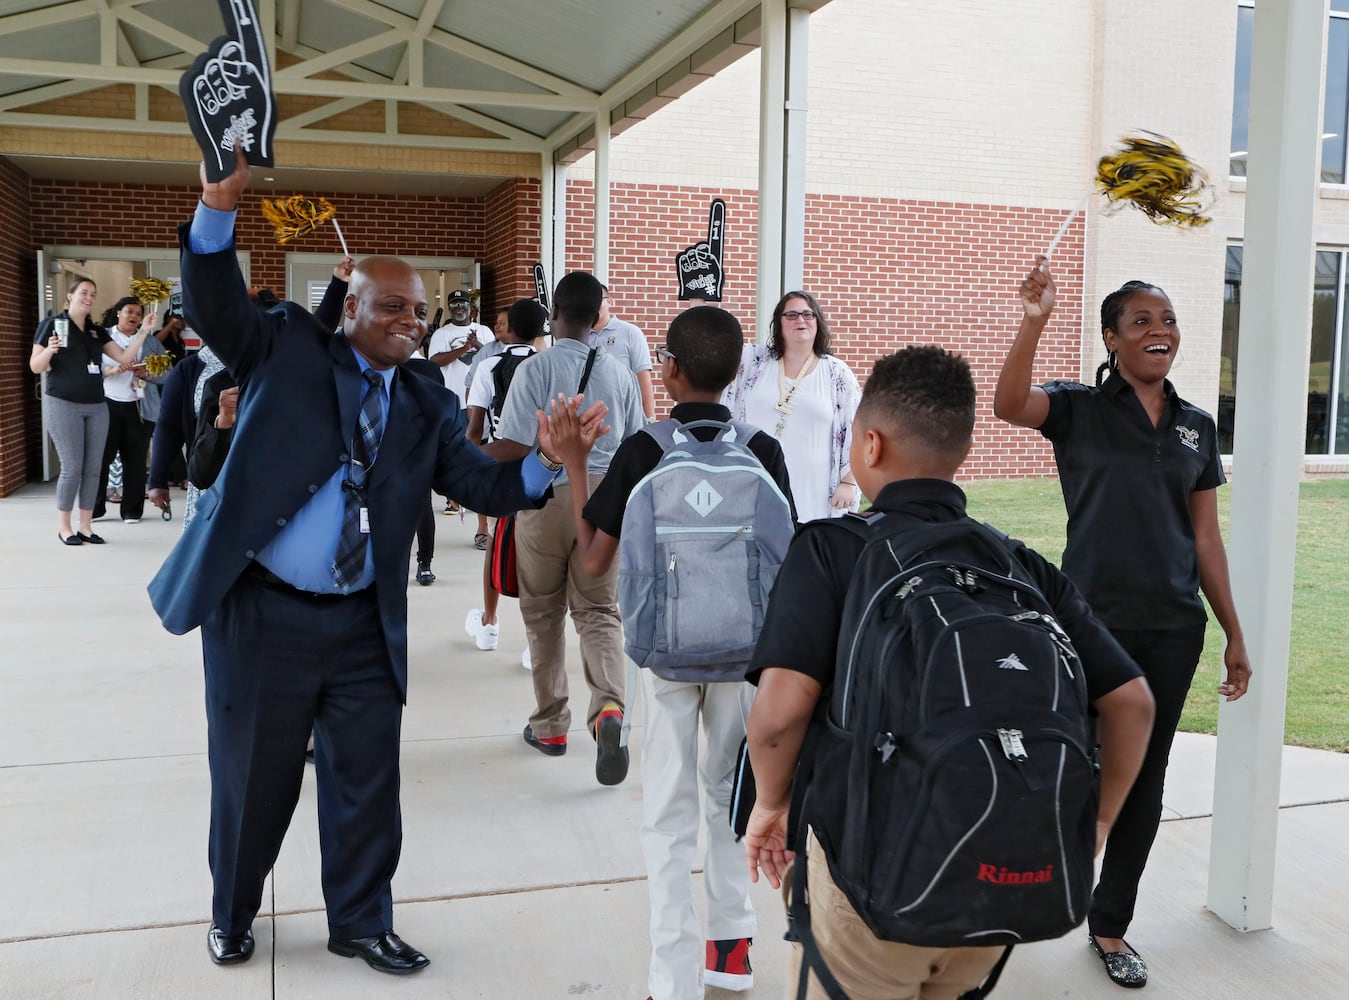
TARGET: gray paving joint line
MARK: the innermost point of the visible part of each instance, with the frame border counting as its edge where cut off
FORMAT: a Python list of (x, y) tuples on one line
[(404, 901), (1291, 805)]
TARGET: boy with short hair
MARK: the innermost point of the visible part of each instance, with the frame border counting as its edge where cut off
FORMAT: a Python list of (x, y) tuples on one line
[(520, 338), (696, 364), (910, 436)]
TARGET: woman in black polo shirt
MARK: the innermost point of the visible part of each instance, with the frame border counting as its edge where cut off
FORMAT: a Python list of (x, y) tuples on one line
[(1139, 468), (77, 417)]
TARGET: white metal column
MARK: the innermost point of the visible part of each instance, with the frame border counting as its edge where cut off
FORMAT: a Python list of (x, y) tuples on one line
[(547, 190), (600, 265), (783, 52), (794, 153), (1277, 274), (555, 263), (772, 132)]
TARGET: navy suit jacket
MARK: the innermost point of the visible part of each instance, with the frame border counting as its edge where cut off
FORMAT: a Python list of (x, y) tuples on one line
[(301, 387)]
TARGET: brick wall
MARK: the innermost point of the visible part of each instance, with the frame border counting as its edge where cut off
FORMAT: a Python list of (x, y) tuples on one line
[(19, 408), (132, 215), (511, 234), (888, 273)]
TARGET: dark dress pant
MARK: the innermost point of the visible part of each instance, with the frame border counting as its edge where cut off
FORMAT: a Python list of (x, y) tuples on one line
[(130, 435), (1168, 659), (426, 534), (278, 664)]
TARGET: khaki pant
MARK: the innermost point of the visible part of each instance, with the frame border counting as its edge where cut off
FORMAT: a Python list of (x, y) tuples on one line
[(868, 968), (552, 582)]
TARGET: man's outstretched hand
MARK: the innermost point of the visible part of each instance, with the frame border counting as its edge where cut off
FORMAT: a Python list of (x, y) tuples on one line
[(566, 434), (224, 194)]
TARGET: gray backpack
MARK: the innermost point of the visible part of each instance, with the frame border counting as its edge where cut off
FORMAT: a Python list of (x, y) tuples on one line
[(704, 535)]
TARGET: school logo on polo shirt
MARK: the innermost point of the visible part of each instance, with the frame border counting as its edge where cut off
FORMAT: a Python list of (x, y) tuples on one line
[(1189, 437)]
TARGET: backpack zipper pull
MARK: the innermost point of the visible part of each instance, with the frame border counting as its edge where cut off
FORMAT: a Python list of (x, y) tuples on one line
[(671, 567), (1012, 746), (738, 532), (909, 584), (885, 743)]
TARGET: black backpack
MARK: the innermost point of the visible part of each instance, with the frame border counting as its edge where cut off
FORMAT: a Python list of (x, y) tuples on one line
[(502, 373), (949, 777)]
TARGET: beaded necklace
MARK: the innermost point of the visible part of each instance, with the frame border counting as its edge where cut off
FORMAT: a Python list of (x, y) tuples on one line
[(784, 403)]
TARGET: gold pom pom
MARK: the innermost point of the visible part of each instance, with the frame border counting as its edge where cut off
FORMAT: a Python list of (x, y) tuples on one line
[(158, 364), (149, 291), (1152, 173), (297, 215)]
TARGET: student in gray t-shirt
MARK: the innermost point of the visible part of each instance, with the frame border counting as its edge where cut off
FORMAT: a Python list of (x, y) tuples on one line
[(626, 342), (551, 580)]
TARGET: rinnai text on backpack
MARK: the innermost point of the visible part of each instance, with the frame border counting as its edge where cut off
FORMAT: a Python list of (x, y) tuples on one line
[(704, 534), (952, 786)]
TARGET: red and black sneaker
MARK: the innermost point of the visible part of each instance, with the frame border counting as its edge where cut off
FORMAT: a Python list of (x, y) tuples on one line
[(553, 746), (728, 965)]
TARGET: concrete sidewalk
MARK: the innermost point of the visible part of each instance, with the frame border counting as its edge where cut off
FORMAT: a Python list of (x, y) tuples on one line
[(521, 877)]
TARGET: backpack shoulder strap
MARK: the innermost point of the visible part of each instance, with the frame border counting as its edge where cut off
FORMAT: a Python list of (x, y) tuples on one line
[(663, 433)]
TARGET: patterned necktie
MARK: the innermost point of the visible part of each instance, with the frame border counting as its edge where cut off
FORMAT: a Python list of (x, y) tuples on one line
[(351, 546)]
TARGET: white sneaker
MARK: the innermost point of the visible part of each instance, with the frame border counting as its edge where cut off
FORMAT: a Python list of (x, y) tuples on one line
[(525, 661), (484, 636)]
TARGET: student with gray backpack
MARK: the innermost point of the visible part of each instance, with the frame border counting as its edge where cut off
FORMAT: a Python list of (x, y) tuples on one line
[(920, 738), (698, 509)]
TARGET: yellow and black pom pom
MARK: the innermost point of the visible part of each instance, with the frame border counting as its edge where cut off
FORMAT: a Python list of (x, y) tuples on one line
[(158, 364), (297, 215), (148, 291), (1151, 173)]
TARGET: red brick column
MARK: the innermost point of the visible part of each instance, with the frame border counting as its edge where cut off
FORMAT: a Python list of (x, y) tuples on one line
[(20, 426)]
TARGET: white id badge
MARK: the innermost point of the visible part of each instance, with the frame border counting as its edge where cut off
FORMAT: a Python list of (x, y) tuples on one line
[(93, 368), (365, 520)]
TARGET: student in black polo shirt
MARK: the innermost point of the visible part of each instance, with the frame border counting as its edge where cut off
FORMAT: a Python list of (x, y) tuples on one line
[(1139, 469), (910, 437)]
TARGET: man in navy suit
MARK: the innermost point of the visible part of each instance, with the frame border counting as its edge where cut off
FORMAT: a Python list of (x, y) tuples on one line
[(303, 616)]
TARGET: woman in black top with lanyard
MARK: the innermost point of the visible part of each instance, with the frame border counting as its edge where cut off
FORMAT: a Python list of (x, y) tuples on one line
[(1139, 468), (72, 347)]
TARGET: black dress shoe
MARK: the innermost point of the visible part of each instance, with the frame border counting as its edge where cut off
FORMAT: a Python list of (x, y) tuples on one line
[(93, 538), (385, 952), (72, 539), (229, 949)]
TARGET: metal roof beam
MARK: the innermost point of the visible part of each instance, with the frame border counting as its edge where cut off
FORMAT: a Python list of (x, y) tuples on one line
[(461, 46), (284, 132), (160, 30), (680, 48), (46, 17), (338, 57), (445, 107), (306, 86)]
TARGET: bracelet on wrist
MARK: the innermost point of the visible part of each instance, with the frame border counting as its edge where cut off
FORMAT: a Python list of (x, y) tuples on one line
[(548, 463)]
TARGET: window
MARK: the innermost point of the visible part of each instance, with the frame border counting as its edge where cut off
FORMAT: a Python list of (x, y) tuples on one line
[(1327, 380), (1335, 117)]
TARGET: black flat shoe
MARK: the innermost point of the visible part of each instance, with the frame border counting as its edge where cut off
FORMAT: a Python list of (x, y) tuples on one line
[(92, 538), (385, 952), (229, 949), (1125, 968), (72, 539)]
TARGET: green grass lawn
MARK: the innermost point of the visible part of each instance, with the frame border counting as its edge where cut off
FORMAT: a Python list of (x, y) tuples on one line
[(1318, 676)]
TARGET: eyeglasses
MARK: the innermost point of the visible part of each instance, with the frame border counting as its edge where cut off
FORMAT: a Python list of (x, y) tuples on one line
[(663, 353), (799, 314)]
